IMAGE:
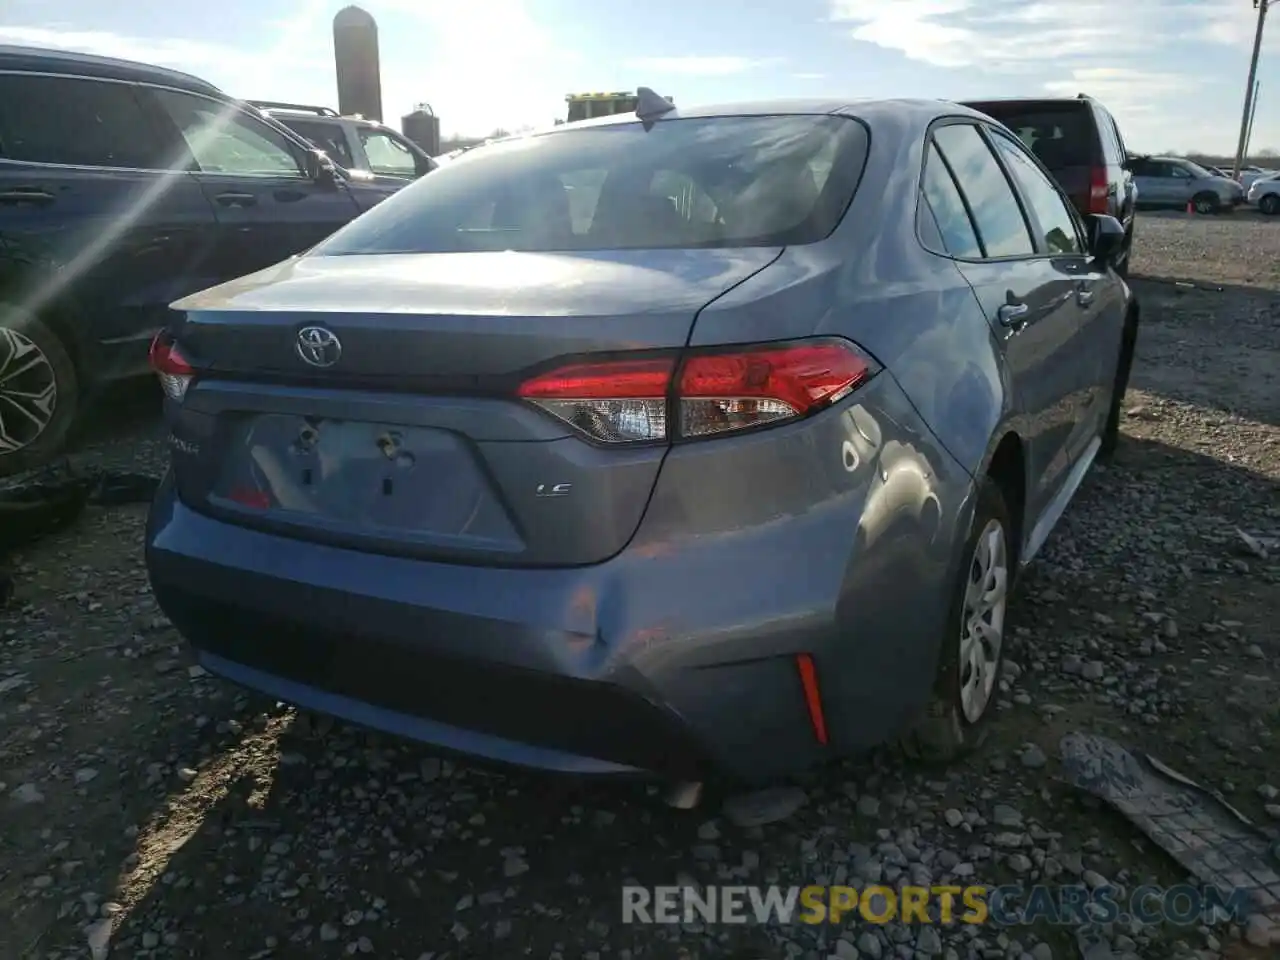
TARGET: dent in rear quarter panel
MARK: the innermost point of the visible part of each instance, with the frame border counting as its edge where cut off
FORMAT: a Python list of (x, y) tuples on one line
[(833, 536)]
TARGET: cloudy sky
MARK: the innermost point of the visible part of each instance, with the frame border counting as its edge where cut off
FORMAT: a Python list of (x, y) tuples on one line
[(1173, 71)]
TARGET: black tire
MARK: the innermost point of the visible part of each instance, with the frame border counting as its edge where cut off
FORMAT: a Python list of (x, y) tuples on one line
[(1270, 204), (1205, 202), (942, 733), (21, 333), (1122, 268), (1110, 436)]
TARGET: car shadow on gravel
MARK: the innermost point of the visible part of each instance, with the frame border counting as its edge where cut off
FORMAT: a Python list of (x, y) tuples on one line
[(1216, 346)]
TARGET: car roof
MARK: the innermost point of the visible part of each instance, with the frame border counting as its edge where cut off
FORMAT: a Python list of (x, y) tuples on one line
[(1081, 100), (862, 106), (74, 63), (287, 113), (869, 109)]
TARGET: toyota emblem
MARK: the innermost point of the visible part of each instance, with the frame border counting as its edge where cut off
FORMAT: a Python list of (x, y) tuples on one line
[(318, 346)]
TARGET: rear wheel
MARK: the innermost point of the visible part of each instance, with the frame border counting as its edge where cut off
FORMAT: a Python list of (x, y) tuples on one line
[(1124, 364), (38, 392), (1270, 204), (1205, 202), (972, 653), (1122, 267)]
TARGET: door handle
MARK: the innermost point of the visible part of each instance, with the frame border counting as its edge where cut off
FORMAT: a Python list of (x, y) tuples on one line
[(1013, 315), (27, 195), (1084, 296), (236, 199)]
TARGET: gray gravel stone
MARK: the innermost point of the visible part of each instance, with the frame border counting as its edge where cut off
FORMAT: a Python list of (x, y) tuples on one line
[(1033, 757)]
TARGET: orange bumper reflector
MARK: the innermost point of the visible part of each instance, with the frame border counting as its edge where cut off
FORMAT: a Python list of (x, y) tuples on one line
[(812, 697)]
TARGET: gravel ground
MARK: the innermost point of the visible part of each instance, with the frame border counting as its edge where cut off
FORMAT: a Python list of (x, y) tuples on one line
[(149, 805)]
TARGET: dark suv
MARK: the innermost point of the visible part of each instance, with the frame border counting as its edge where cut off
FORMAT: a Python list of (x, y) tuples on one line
[(122, 188), (1078, 141)]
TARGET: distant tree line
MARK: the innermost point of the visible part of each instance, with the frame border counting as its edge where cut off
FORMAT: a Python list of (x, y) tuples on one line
[(1260, 158), (458, 141)]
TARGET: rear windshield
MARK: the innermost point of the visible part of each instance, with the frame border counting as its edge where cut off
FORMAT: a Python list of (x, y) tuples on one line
[(720, 182), (1061, 137)]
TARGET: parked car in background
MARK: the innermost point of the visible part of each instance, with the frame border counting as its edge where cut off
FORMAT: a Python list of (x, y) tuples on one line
[(1175, 182), (510, 472), (354, 143), (1079, 142), (1265, 194), (1250, 174), (122, 187)]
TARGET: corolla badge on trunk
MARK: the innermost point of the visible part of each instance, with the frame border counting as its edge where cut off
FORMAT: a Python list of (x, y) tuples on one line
[(318, 346)]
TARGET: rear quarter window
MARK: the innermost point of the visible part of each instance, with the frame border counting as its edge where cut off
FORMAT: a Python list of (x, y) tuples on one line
[(944, 203)]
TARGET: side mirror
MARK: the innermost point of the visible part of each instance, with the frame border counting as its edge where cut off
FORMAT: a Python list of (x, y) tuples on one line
[(1106, 237), (422, 165), (320, 168)]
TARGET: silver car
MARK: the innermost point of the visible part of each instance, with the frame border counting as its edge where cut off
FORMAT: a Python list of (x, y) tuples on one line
[(1175, 182), (1264, 193), (690, 440)]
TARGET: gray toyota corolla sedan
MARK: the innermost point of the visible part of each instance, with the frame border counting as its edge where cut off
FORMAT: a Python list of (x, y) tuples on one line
[(706, 441)]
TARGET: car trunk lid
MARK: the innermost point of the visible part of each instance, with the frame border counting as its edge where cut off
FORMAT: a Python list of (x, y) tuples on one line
[(405, 436)]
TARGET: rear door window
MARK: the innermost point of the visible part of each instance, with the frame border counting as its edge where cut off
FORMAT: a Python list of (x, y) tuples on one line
[(1057, 226), (1002, 228), (79, 123), (716, 182), (329, 137)]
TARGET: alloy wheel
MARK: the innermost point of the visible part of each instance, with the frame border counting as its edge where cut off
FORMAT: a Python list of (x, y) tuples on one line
[(28, 391), (1204, 206), (982, 630)]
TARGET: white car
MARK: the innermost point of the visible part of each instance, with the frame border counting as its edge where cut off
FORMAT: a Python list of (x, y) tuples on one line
[(1264, 193), (1251, 175)]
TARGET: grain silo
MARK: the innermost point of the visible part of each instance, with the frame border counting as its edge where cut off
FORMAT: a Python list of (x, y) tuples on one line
[(355, 55), (423, 128)]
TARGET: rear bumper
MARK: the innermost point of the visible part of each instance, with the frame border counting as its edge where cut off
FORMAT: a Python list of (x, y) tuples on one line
[(677, 656), (503, 664)]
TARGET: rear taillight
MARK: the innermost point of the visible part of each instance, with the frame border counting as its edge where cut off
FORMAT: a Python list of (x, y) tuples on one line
[(710, 393), (170, 366), (1099, 191)]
